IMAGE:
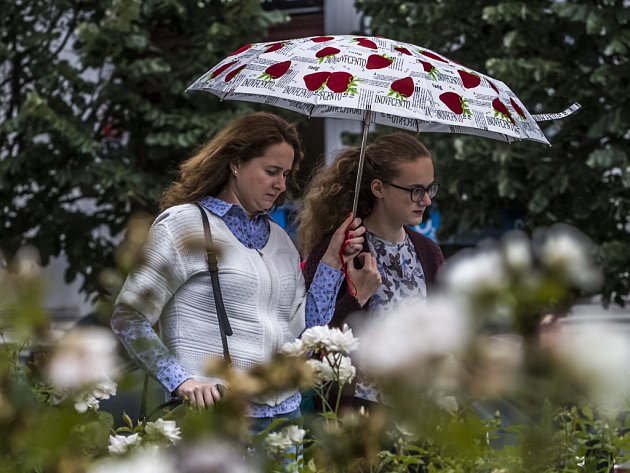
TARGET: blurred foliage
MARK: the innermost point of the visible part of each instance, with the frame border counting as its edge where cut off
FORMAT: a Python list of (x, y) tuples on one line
[(94, 119), (539, 420), (550, 54)]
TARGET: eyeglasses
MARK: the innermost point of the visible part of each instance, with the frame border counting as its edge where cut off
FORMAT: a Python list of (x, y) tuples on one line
[(417, 192)]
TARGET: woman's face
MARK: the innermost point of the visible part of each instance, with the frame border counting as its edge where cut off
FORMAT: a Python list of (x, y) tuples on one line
[(257, 183), (396, 203)]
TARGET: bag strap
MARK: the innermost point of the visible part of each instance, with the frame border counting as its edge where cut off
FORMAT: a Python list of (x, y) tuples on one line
[(211, 258), (225, 328)]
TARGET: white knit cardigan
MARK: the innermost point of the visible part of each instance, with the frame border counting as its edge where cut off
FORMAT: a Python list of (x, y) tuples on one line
[(263, 292)]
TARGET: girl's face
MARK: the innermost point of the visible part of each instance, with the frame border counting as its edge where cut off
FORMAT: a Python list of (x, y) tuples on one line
[(396, 204), (257, 183)]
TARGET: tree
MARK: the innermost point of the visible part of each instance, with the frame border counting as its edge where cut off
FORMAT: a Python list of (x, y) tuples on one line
[(94, 118), (550, 53)]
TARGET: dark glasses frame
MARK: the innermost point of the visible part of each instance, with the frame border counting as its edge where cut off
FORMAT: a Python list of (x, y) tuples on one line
[(416, 193)]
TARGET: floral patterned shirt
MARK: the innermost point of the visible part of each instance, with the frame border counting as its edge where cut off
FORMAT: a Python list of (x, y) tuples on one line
[(403, 277), (253, 233)]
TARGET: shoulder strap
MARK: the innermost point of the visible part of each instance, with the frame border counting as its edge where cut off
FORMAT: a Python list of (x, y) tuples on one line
[(211, 258)]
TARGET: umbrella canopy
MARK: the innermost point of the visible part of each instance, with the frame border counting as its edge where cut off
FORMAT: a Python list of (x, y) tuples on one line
[(405, 86), (375, 80)]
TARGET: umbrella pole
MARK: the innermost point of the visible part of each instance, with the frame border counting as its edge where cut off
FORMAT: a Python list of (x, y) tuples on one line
[(366, 128)]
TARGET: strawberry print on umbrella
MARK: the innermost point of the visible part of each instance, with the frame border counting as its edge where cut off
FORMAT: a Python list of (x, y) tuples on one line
[(378, 61), (342, 82), (373, 79), (326, 53), (455, 103), (275, 71), (469, 79), (402, 89)]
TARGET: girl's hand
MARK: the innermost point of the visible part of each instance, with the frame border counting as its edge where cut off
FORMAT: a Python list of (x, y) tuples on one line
[(348, 236), (367, 279), (198, 394)]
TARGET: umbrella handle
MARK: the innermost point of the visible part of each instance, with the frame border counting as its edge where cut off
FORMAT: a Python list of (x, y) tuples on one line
[(352, 288)]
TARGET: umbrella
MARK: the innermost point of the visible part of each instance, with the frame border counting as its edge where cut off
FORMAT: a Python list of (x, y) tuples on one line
[(375, 80)]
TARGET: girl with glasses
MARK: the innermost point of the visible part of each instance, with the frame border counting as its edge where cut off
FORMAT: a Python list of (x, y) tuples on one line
[(397, 187)]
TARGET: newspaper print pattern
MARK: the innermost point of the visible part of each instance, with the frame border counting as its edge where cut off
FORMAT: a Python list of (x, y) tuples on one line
[(405, 86)]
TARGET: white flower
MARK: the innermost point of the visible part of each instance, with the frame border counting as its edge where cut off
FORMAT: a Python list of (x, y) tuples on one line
[(83, 358), (105, 388), (163, 429), (119, 444), (89, 398), (322, 369), (471, 272), (597, 352), (295, 348), (279, 442), (329, 339), (315, 337), (414, 334), (141, 461), (295, 434), (567, 251), (341, 342), (334, 367), (84, 402), (517, 252)]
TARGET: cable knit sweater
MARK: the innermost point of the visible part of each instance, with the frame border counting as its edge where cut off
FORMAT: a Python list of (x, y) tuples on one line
[(263, 287)]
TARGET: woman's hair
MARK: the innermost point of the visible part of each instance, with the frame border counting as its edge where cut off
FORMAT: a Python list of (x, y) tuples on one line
[(208, 170), (329, 195)]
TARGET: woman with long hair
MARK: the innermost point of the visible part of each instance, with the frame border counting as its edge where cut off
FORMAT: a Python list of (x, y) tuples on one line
[(397, 187), (232, 181)]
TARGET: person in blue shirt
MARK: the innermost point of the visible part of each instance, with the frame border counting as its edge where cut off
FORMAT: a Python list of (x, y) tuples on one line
[(237, 177)]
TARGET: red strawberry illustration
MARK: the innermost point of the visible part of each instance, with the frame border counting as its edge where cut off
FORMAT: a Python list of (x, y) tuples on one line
[(402, 89), (433, 56), (366, 43), (500, 110), (377, 61), (234, 72), (220, 69), (322, 39), (518, 109), (327, 52), (429, 69), (241, 49), (456, 103), (316, 81), (341, 82), (494, 87), (275, 71), (274, 47), (470, 80), (403, 50)]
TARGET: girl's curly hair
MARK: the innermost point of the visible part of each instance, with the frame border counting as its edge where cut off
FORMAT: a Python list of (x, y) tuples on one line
[(329, 195)]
